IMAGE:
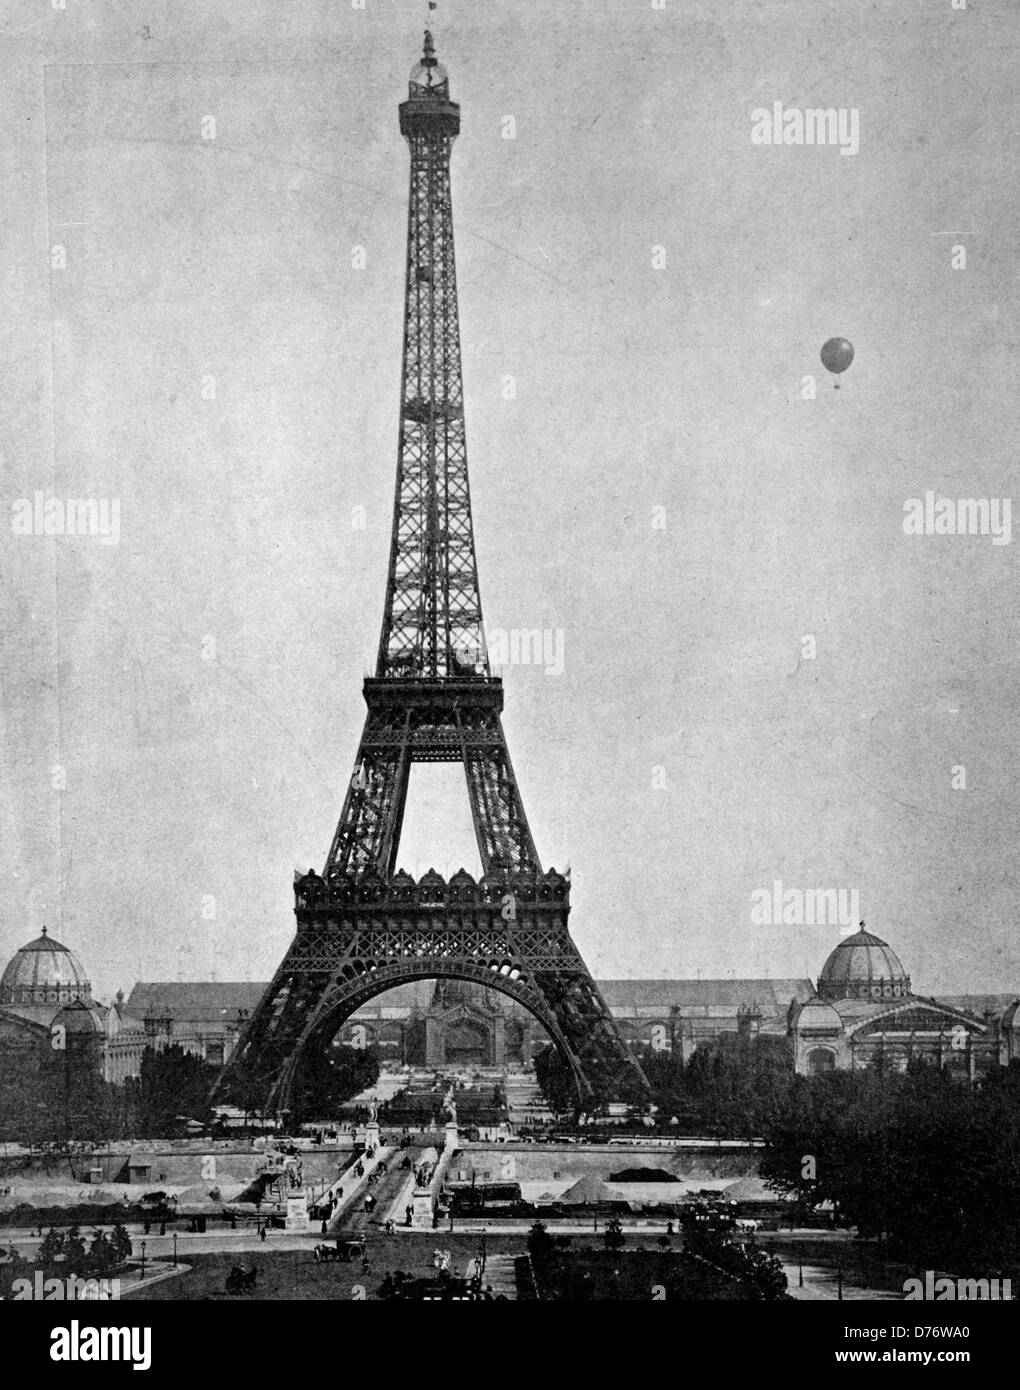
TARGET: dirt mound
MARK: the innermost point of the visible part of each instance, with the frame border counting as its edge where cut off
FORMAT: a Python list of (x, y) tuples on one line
[(643, 1175)]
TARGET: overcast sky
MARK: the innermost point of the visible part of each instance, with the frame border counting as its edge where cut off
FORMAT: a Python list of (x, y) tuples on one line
[(690, 752)]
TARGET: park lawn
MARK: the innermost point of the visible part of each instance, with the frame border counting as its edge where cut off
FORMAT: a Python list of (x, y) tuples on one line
[(863, 1262), (591, 1274), (293, 1274)]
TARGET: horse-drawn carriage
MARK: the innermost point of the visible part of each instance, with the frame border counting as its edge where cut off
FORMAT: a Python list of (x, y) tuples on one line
[(344, 1252)]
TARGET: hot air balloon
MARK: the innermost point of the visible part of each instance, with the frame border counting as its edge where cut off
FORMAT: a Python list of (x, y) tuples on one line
[(836, 355)]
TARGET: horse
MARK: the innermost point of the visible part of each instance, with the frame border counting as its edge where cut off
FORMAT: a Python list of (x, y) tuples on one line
[(240, 1280)]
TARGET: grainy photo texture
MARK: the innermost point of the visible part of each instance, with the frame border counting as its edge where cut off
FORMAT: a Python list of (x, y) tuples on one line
[(644, 931)]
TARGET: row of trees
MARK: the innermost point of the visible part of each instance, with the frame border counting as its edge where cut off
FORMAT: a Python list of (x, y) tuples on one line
[(759, 1274), (928, 1164), (727, 1088), (52, 1103), (325, 1081), (328, 1079), (70, 1250)]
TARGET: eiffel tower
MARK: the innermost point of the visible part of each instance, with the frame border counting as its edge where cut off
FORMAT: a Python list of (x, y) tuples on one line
[(362, 925)]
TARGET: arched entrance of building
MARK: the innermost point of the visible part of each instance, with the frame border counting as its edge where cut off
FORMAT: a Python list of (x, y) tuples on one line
[(467, 1042), (343, 997)]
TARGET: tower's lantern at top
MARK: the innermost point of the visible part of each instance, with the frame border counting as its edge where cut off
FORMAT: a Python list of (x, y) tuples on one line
[(428, 108)]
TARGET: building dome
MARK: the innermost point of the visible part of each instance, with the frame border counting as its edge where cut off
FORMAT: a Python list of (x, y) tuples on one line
[(863, 967), (44, 972)]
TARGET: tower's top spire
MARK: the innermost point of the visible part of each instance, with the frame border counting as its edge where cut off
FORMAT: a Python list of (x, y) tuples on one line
[(428, 109), (429, 72)]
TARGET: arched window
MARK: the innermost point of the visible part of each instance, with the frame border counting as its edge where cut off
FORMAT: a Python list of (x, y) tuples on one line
[(819, 1060)]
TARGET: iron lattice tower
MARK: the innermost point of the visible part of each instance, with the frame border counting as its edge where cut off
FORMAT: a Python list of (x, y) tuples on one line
[(363, 926)]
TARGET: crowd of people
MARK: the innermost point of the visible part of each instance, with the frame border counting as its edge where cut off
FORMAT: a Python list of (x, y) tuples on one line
[(446, 1285)]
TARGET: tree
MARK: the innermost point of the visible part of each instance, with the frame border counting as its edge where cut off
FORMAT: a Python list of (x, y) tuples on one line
[(555, 1079), (327, 1079), (49, 1096), (540, 1242), (52, 1247), (735, 1082), (121, 1242), (245, 1088), (728, 1087), (173, 1083), (761, 1274), (74, 1251), (927, 1164), (91, 1107), (102, 1253)]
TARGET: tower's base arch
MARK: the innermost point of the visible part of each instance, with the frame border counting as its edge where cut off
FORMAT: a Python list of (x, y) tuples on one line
[(359, 938)]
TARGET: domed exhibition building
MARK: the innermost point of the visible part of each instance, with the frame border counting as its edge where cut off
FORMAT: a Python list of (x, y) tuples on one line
[(862, 1007), (46, 1008)]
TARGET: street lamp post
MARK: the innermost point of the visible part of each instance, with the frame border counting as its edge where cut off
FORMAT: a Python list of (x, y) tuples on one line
[(175, 1249), (142, 1276)]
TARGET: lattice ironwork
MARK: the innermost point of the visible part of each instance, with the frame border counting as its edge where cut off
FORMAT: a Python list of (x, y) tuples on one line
[(362, 926), (433, 619)]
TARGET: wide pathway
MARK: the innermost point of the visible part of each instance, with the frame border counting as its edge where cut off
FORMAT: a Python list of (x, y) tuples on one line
[(823, 1284), (355, 1189), (386, 1192), (501, 1276)]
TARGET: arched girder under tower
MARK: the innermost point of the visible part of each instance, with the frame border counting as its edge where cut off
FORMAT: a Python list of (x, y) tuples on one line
[(345, 996)]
